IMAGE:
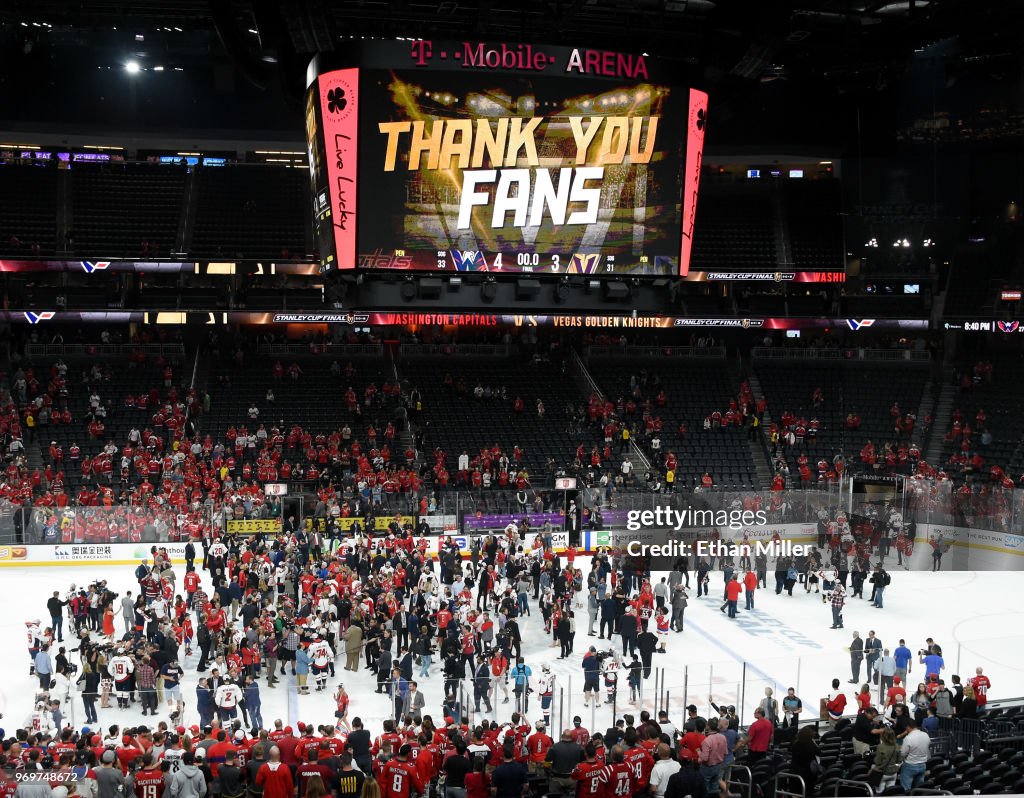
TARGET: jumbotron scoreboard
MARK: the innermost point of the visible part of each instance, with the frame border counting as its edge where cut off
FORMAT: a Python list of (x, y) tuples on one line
[(448, 157)]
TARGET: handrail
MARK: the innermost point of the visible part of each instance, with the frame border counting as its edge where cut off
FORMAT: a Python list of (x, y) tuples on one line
[(781, 793), (919, 356), (94, 350), (655, 351), (929, 791), (746, 786), (853, 783)]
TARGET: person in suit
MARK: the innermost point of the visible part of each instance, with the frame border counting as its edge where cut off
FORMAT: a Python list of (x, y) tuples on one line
[(414, 702)]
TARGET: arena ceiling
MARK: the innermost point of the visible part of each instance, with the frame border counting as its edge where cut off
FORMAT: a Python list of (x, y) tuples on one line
[(733, 47)]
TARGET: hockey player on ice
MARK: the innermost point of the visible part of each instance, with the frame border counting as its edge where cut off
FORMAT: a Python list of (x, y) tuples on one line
[(611, 677), (40, 721), (546, 687), (121, 668), (321, 656)]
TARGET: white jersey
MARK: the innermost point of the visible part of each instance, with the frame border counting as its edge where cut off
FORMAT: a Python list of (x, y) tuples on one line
[(218, 549), (34, 633), (546, 683), (120, 667), (321, 654), (173, 755), (41, 721), (227, 696), (159, 608)]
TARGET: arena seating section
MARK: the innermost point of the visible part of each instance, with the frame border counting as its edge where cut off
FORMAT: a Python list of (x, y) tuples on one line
[(869, 391), (694, 390), (815, 226), (28, 209), (733, 229), (455, 421), (458, 421), (255, 212), (120, 379), (315, 401), (969, 757), (115, 207), (1000, 399)]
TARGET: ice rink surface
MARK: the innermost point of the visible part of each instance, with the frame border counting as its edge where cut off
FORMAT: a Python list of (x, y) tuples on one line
[(977, 618)]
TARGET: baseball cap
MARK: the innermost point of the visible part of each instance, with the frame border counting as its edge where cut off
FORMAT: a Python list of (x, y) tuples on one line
[(449, 719), (200, 753), (207, 728), (287, 729), (180, 730), (108, 757), (95, 740), (126, 739), (239, 735), (194, 729), (691, 708)]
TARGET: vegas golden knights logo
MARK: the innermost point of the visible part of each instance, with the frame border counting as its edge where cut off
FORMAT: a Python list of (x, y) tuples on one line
[(746, 323), (583, 263)]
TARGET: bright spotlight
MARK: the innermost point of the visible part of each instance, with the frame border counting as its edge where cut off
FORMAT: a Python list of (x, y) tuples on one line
[(132, 67)]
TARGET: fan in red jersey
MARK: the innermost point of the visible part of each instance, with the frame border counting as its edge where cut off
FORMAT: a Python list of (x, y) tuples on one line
[(399, 777)]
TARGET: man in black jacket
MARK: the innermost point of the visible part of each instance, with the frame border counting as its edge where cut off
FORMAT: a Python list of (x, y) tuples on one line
[(359, 741), (231, 776), (482, 685), (55, 607), (628, 629), (608, 608), (647, 642)]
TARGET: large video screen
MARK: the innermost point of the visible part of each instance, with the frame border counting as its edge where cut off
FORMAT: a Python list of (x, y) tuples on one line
[(551, 161)]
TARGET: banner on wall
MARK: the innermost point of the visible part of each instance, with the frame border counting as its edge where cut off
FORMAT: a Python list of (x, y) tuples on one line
[(380, 524), (254, 526)]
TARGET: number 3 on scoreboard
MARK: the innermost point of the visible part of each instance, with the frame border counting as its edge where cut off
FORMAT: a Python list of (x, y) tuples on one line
[(555, 266)]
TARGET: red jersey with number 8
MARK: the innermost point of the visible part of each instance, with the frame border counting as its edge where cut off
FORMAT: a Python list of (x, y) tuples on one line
[(399, 779)]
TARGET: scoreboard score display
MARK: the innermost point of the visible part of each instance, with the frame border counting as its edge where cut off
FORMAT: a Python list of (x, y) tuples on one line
[(448, 157)]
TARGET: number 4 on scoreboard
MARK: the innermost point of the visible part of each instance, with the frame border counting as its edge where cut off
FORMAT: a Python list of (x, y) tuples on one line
[(497, 265)]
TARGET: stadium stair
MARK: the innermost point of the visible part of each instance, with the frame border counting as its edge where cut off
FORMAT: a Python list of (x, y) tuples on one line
[(940, 421)]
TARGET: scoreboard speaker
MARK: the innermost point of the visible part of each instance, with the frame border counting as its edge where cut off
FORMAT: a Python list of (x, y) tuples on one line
[(430, 287), (616, 290), (527, 289)]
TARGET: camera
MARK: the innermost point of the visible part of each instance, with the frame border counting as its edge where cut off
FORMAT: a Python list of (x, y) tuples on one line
[(603, 655)]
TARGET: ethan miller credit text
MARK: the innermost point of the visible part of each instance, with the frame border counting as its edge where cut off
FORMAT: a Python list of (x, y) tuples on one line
[(718, 548)]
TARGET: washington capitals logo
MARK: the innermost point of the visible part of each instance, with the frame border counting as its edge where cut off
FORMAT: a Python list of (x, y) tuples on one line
[(1008, 326), (90, 266), (35, 318), (857, 324)]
